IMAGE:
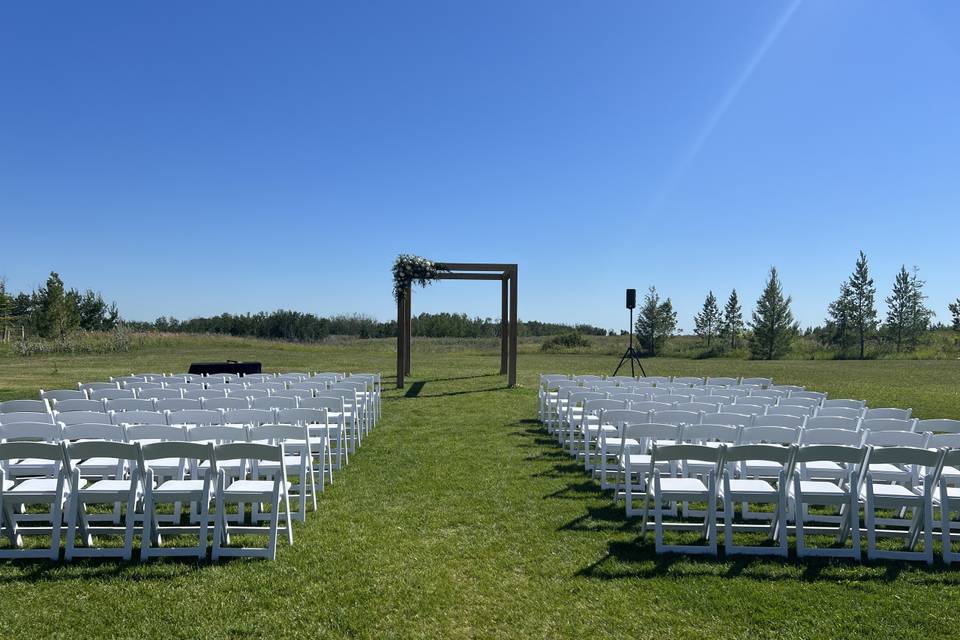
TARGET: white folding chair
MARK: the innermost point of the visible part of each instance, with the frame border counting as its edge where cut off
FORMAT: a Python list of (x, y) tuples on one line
[(110, 491), (326, 426), (298, 458), (53, 491), (894, 496), (196, 491), (274, 493), (844, 495), (757, 490), (947, 499), (676, 486)]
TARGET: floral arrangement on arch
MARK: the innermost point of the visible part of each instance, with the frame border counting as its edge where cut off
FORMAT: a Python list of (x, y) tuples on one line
[(408, 269)]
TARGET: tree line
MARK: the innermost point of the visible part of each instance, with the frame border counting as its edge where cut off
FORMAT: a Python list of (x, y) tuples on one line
[(852, 321), (53, 311)]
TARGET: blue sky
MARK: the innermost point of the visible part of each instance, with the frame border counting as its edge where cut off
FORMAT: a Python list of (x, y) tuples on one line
[(191, 158)]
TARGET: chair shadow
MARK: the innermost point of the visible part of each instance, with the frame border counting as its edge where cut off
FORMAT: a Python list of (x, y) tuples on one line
[(83, 569)]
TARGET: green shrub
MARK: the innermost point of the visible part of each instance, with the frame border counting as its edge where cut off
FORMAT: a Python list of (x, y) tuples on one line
[(565, 341)]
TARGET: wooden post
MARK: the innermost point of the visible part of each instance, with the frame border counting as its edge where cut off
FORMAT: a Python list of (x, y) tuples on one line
[(408, 313), (504, 327), (400, 343), (512, 380)]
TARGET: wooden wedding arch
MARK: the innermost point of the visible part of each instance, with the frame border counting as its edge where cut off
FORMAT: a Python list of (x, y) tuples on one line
[(506, 274)]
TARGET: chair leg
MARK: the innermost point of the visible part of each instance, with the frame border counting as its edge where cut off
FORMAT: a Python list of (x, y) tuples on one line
[(72, 507)]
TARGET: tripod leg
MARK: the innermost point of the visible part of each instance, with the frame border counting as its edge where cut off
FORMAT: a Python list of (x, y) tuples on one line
[(622, 360)]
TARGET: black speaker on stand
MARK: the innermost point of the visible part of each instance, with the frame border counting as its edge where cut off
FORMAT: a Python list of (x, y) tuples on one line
[(631, 354)]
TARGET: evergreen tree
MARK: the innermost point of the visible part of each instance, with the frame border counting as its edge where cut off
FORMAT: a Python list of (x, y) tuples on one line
[(56, 313), (955, 312), (707, 323), (862, 293), (919, 314), (732, 320), (839, 323), (655, 322), (773, 327), (898, 308)]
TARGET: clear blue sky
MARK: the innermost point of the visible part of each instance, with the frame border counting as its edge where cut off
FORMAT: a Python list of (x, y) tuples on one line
[(191, 158)]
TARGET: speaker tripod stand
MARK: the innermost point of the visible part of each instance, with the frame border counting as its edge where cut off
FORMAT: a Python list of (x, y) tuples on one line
[(631, 354)]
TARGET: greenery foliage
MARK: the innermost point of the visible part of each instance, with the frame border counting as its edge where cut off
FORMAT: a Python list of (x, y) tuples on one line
[(708, 322), (566, 341), (53, 311), (732, 325), (408, 269), (655, 323), (772, 326), (861, 300)]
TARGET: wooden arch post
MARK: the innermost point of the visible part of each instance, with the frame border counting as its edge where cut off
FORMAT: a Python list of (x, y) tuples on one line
[(507, 275)]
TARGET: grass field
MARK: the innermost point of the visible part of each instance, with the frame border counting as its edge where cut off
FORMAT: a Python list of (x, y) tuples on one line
[(459, 518)]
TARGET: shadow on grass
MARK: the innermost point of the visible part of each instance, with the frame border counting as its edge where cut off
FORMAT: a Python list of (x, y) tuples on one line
[(82, 569)]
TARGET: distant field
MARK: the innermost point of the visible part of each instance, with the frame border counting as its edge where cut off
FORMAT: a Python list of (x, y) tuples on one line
[(459, 518)]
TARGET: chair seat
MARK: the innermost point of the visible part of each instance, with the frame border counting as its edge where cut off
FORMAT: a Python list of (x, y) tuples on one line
[(252, 488), (36, 486), (179, 486), (594, 429), (7, 484), (883, 490), (751, 486), (32, 466), (106, 486), (681, 486), (953, 493), (619, 443), (818, 488), (950, 474), (292, 462), (164, 466)]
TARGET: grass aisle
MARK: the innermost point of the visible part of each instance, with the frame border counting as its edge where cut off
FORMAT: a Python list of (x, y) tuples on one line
[(459, 517)]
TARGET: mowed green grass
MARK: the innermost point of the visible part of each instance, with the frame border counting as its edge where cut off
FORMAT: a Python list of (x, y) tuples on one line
[(460, 518)]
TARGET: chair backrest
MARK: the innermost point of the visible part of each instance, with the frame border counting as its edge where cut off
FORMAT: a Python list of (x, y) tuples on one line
[(793, 422), (296, 394), (111, 394), (832, 453), (721, 382), (770, 452), (650, 405), (177, 404), (843, 403), (129, 404), (705, 407), (216, 433), (181, 385), (249, 451), (79, 417), (676, 417), (697, 392), (735, 419), (825, 436), (895, 439), (160, 394), (140, 387), (112, 432), (198, 394), (575, 398), (196, 451), (250, 393), (594, 406), (701, 433), (757, 399), (789, 388), (155, 432), (225, 404), (839, 412), (67, 406), (888, 412), (40, 450), (948, 440), (309, 386), (62, 394), (102, 449), (719, 399), (769, 433), (24, 406), (647, 433), (121, 380), (744, 408), (277, 433), (251, 378), (684, 452), (35, 431), (888, 424), (789, 410), (330, 403), (248, 416), (908, 455), (808, 403), (25, 416), (301, 416), (138, 417), (96, 386), (273, 402), (267, 386), (630, 397), (624, 416), (688, 380), (760, 382), (939, 425), (816, 396), (832, 422), (675, 398), (194, 417)]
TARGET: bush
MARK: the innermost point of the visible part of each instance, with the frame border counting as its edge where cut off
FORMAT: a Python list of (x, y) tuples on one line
[(565, 341), (115, 341)]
